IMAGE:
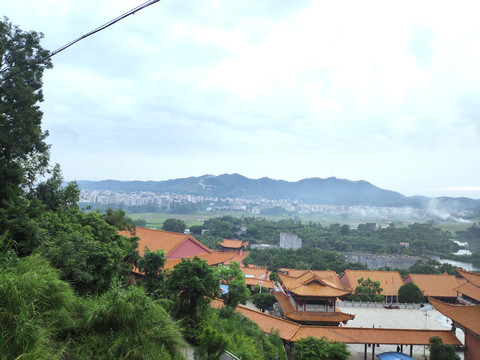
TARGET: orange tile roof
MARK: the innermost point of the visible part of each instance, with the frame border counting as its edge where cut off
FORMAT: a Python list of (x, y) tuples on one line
[(161, 240), (309, 316), (470, 290), (253, 282), (233, 243), (311, 284), (350, 335), (214, 258), (291, 331), (435, 285), (471, 277), (467, 316), (390, 281), (256, 272)]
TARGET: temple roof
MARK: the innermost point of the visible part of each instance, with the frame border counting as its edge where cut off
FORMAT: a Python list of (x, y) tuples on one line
[(161, 240), (312, 284), (470, 290), (233, 243), (309, 316), (390, 281), (212, 259), (471, 277), (291, 331), (436, 285), (467, 316)]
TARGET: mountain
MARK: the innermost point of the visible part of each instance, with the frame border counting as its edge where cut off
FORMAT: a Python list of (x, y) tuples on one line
[(329, 191)]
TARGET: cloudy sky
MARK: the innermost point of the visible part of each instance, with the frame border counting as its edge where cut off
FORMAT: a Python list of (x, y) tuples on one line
[(378, 91)]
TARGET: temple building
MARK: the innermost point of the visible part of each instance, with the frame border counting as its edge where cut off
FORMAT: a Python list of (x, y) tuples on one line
[(441, 287), (230, 245), (390, 281), (469, 292), (310, 298), (467, 318), (178, 246)]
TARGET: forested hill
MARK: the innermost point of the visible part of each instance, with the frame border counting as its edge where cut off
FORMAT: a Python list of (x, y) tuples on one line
[(330, 191)]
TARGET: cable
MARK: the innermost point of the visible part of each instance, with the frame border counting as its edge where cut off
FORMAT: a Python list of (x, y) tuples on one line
[(100, 28)]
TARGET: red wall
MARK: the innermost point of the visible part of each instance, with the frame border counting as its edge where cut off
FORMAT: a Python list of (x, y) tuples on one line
[(473, 344), (187, 248)]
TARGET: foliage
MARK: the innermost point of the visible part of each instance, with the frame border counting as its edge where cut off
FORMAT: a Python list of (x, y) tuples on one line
[(36, 307), (194, 284), (368, 290), (23, 150), (233, 276), (151, 264), (211, 345), (264, 300), (174, 225), (42, 318), (311, 348), (244, 338), (90, 254), (119, 219), (125, 323), (441, 351), (410, 293)]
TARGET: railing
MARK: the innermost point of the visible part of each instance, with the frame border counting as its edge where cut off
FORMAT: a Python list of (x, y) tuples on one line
[(376, 305)]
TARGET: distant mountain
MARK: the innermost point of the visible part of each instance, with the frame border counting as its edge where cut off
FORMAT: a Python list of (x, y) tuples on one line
[(329, 191)]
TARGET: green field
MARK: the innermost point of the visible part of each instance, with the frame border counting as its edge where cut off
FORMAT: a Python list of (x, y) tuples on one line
[(155, 220)]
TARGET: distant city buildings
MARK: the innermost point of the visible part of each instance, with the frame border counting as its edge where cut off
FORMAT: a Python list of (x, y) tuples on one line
[(248, 206)]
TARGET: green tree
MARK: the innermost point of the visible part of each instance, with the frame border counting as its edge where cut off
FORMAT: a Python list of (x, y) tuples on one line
[(311, 348), (23, 150), (264, 300), (233, 276), (194, 283), (410, 293), (151, 264), (441, 351), (368, 290), (211, 345), (89, 253), (119, 219), (174, 225)]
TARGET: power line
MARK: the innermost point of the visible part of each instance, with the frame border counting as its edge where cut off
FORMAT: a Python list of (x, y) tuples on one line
[(94, 31)]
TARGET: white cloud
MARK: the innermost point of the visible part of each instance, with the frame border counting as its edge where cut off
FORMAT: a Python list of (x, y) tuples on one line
[(376, 91)]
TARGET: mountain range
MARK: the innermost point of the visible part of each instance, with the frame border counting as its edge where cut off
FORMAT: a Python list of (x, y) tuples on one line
[(329, 191)]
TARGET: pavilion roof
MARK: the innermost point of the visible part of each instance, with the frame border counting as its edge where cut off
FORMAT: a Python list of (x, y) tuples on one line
[(233, 243), (436, 285), (311, 284), (161, 240), (306, 316), (467, 316)]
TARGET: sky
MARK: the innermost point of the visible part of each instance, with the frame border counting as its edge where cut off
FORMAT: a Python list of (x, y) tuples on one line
[(387, 92)]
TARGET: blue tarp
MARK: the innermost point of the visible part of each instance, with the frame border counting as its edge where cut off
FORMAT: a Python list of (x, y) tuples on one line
[(393, 356)]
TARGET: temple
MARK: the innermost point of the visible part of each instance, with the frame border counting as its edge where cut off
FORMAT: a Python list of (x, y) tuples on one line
[(230, 245), (310, 298), (469, 292)]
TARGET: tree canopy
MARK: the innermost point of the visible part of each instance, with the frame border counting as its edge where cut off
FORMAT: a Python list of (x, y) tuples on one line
[(368, 290), (174, 225), (410, 293)]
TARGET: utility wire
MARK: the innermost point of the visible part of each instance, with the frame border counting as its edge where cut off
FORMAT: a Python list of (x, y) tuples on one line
[(100, 28)]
